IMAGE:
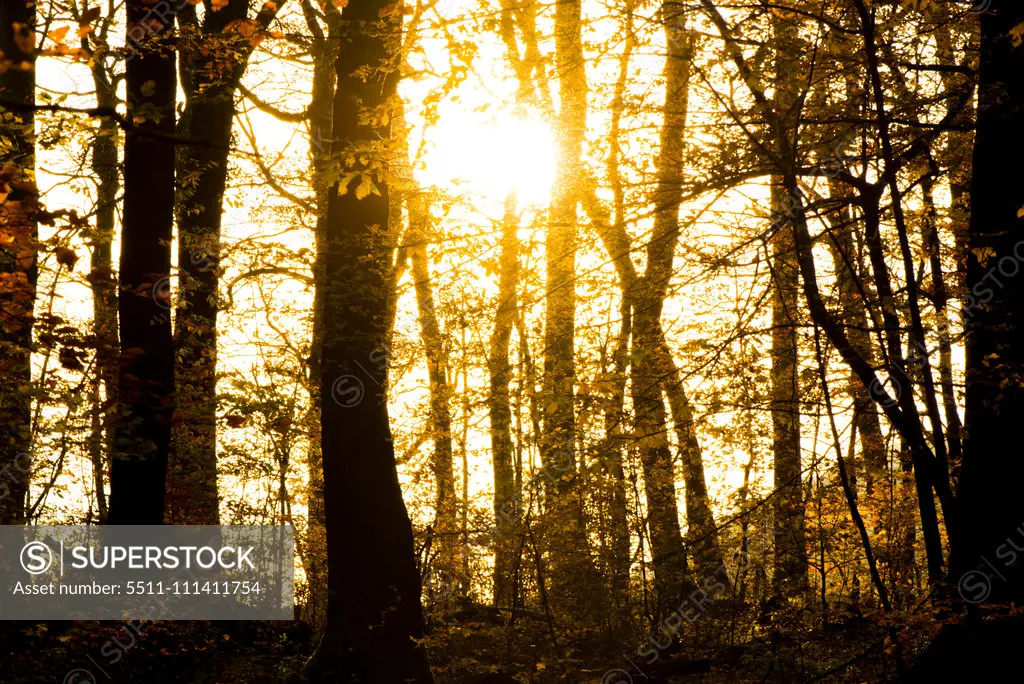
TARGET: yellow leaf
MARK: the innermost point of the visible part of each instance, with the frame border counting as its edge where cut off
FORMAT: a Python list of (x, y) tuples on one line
[(983, 254), (364, 188), (57, 34), (340, 4), (149, 89)]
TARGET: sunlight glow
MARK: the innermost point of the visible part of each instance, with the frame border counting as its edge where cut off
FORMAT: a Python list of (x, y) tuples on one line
[(491, 157)]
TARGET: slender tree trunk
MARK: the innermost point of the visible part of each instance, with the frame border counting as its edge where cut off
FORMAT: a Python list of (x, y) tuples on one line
[(573, 573), (790, 576), (324, 52), (17, 256), (701, 531), (506, 494), (615, 414), (991, 506), (852, 290), (651, 420), (940, 300), (146, 380), (374, 616), (210, 72), (445, 527), (104, 290)]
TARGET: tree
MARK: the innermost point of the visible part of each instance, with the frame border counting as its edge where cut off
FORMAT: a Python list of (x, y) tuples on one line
[(506, 496), (573, 573), (213, 59), (101, 262), (790, 576), (18, 234), (991, 509), (138, 472), (373, 614)]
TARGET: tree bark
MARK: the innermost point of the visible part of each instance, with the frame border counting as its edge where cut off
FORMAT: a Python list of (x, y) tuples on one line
[(506, 495), (790, 578), (573, 573), (104, 289), (146, 379), (991, 506), (211, 69), (374, 615), (852, 290), (18, 234), (445, 503), (651, 420), (324, 52)]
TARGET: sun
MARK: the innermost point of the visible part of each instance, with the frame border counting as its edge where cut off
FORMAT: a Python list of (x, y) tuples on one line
[(490, 156)]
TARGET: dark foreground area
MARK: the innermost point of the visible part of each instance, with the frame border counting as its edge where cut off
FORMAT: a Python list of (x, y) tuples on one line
[(472, 646)]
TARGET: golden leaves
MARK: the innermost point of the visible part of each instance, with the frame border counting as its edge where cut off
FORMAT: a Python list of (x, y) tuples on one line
[(57, 35)]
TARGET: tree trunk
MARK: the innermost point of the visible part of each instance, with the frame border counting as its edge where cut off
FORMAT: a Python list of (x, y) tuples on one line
[(651, 420), (445, 503), (146, 379), (506, 495), (790, 576), (18, 229), (210, 71), (615, 426), (852, 290), (324, 52), (991, 506), (104, 290), (572, 570), (374, 616)]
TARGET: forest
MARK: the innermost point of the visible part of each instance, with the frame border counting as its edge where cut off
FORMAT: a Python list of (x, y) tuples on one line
[(580, 341)]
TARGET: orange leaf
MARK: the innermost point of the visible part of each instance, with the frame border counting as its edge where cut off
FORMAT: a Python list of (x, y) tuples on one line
[(57, 34)]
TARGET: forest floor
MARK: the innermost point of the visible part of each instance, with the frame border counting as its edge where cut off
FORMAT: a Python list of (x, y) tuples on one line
[(255, 652)]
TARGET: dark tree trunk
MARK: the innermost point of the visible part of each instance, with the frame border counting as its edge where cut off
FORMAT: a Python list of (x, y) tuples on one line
[(991, 506), (17, 255), (146, 380), (212, 63), (853, 288), (374, 614), (324, 52), (104, 289)]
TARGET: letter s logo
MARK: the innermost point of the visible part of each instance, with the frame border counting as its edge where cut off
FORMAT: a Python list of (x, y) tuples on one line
[(36, 557)]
